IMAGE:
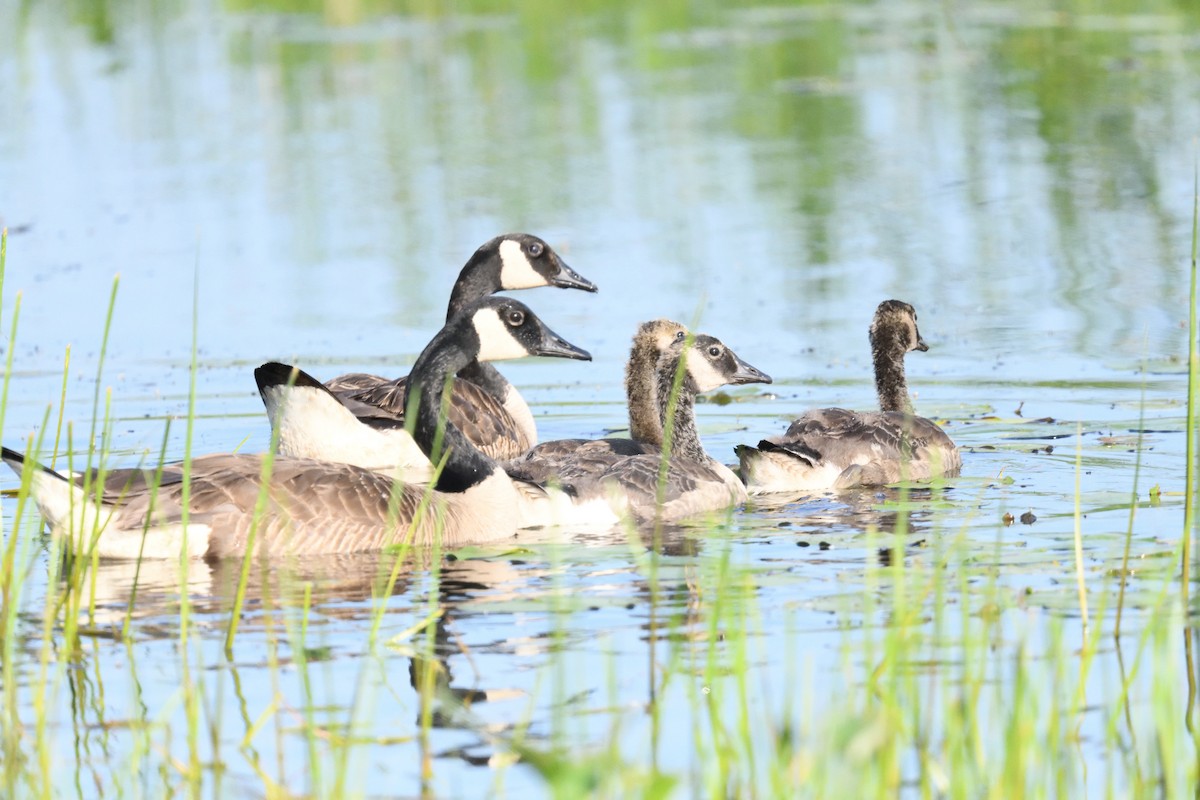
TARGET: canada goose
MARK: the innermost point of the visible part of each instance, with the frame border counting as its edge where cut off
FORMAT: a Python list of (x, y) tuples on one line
[(485, 406), (570, 459), (695, 482), (314, 506), (832, 448)]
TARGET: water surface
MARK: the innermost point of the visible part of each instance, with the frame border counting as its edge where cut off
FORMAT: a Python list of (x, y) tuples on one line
[(309, 177)]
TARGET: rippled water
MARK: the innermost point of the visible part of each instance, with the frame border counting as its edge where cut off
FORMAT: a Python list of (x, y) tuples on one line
[(311, 176)]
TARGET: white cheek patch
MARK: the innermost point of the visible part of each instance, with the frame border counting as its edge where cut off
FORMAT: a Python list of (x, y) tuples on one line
[(704, 373), (496, 342), (515, 271)]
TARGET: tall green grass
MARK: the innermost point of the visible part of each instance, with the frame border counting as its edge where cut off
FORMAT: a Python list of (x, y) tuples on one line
[(1189, 502)]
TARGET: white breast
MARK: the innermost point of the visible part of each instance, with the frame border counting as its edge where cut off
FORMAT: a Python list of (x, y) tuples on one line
[(521, 414)]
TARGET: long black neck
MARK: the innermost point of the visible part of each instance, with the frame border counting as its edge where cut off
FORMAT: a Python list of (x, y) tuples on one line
[(486, 377), (685, 439), (641, 394), (475, 282), (465, 465), (890, 383)]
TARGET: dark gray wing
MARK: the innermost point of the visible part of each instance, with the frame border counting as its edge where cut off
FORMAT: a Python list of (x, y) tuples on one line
[(387, 396), (571, 460), (869, 448), (690, 487), (847, 437)]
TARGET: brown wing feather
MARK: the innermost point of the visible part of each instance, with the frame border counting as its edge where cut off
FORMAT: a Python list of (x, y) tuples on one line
[(570, 460), (386, 395), (482, 418), (354, 382)]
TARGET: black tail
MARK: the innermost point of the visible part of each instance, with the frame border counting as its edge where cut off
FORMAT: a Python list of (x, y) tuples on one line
[(274, 374), (794, 449), (17, 462)]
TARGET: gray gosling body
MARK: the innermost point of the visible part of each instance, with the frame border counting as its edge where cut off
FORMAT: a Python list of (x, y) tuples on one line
[(833, 448), (695, 483), (314, 507), (360, 420), (566, 460)]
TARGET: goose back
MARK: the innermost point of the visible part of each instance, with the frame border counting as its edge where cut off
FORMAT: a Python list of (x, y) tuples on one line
[(834, 448)]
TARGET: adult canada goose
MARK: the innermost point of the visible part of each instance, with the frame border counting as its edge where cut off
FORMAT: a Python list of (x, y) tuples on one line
[(832, 448), (313, 506), (367, 430), (571, 459), (695, 482)]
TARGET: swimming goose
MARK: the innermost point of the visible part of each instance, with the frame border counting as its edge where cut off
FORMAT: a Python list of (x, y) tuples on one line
[(695, 482), (485, 406), (832, 448), (570, 459), (313, 506)]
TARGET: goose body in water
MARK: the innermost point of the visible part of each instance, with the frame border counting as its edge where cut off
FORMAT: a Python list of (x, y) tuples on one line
[(833, 448), (605, 487), (360, 420), (309, 506)]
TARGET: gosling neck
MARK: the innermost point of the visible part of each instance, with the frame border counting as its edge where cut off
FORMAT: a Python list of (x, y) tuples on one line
[(890, 383), (685, 439), (641, 394)]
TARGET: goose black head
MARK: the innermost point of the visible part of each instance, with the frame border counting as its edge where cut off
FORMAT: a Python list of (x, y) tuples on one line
[(511, 261), (504, 328), (711, 364), (523, 261), (894, 329)]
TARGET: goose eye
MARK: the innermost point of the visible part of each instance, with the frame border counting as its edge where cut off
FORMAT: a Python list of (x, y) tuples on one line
[(680, 336), (516, 318), (535, 249), (714, 351)]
